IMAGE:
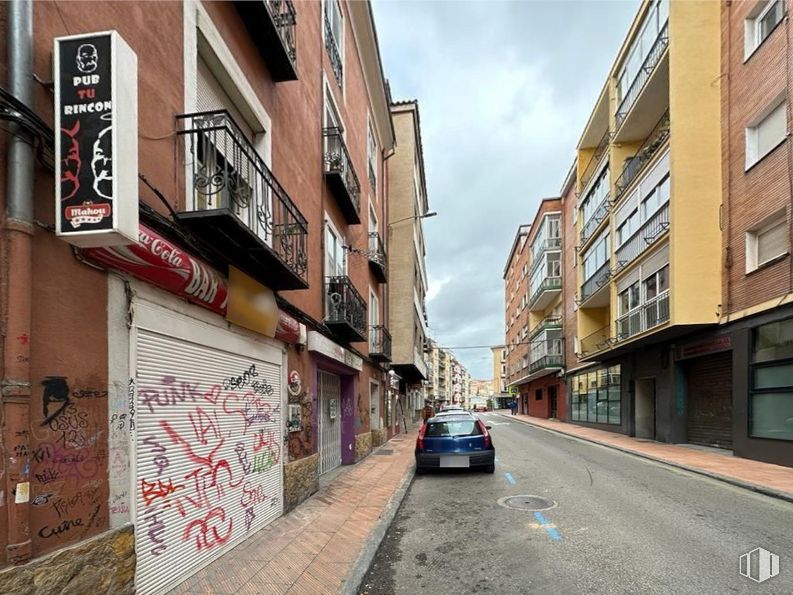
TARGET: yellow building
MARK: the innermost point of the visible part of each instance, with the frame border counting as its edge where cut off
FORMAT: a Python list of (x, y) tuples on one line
[(648, 238)]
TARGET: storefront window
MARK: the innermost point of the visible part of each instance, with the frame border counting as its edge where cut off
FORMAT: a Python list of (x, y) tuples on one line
[(596, 396), (771, 399)]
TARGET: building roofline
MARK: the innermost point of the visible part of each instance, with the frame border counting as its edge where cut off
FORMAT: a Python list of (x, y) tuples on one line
[(518, 234)]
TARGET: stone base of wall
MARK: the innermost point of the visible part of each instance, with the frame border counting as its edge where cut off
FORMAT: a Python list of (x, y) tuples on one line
[(301, 479), (102, 564), (379, 438), (363, 445)]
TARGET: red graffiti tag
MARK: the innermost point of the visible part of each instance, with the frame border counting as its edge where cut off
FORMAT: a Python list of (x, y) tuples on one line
[(208, 535), (159, 489)]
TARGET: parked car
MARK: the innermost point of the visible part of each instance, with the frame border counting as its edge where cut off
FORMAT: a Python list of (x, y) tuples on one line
[(480, 408), (455, 441)]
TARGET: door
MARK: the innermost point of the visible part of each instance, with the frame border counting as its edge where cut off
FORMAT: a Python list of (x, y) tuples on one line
[(374, 400), (552, 401), (329, 421), (709, 395), (208, 437), (644, 413)]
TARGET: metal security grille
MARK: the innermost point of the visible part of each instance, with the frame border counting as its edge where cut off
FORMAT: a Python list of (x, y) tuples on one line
[(709, 394), (208, 451), (329, 421)]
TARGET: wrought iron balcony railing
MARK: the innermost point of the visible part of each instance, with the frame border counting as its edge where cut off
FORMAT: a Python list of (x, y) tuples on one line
[(644, 317), (597, 341), (341, 175), (643, 75), (655, 226), (345, 309), (239, 209), (595, 282), (333, 51), (601, 213), (272, 24), (377, 258), (379, 343), (594, 160), (634, 166)]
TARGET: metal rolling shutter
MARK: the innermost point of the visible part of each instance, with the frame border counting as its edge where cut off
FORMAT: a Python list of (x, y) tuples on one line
[(210, 96), (709, 390), (329, 427), (209, 465)]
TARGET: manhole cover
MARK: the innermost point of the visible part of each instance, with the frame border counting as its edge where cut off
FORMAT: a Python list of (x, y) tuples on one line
[(524, 502), (384, 452)]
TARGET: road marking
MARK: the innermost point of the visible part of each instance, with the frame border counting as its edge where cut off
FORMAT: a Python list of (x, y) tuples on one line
[(510, 479), (549, 528)]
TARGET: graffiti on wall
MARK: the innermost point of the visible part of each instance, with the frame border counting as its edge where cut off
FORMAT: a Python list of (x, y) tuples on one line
[(203, 472)]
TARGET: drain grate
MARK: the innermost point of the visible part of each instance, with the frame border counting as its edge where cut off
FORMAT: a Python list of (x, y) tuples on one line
[(527, 502), (384, 452)]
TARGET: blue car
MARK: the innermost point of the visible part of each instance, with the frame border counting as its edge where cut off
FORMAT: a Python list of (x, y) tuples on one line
[(455, 441)]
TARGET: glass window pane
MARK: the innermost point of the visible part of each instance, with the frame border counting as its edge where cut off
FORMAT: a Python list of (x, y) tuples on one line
[(592, 406), (614, 393), (603, 412), (650, 290), (614, 374), (773, 341), (774, 377), (603, 378), (663, 279), (614, 412), (772, 416)]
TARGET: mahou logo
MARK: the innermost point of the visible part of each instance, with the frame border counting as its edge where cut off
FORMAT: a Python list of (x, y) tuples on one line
[(87, 213)]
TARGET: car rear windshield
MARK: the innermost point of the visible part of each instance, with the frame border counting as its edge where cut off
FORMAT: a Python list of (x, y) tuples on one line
[(453, 427)]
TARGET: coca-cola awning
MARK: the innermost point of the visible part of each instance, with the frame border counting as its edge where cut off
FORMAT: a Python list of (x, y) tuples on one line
[(162, 263)]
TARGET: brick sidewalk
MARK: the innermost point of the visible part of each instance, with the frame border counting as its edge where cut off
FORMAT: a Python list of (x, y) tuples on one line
[(773, 480), (320, 546)]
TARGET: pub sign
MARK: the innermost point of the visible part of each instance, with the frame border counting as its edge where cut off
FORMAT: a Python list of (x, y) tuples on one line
[(96, 145)]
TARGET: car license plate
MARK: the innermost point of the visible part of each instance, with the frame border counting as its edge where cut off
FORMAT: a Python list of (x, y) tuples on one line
[(454, 462)]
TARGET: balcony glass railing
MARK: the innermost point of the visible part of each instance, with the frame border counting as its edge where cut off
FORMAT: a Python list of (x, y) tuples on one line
[(595, 282), (644, 317), (601, 213), (228, 173), (643, 74), (541, 247), (653, 228), (545, 353), (635, 165)]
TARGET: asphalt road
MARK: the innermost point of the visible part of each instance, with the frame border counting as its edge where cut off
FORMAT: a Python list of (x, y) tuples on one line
[(620, 524)]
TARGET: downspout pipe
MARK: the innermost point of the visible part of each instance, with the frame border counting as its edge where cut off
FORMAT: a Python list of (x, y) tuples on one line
[(16, 383)]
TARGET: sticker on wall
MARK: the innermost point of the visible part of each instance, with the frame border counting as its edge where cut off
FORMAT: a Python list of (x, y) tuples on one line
[(295, 384), (293, 423), (22, 493), (333, 408)]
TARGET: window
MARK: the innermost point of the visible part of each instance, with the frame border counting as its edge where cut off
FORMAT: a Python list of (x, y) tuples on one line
[(762, 20), (658, 197), (643, 43), (335, 27), (371, 154), (767, 242), (629, 299), (596, 257), (771, 398), (596, 396), (656, 283), (628, 228), (765, 134), (334, 252)]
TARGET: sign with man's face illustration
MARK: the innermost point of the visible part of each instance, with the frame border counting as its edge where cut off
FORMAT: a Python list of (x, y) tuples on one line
[(96, 153)]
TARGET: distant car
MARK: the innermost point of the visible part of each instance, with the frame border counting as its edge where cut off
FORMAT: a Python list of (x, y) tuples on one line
[(480, 408), (446, 412), (452, 408), (455, 441)]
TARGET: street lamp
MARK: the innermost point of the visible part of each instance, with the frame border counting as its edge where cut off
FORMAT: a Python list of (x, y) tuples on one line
[(424, 216)]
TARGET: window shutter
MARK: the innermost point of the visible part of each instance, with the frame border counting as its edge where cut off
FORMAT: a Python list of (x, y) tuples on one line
[(771, 130), (772, 242), (210, 96)]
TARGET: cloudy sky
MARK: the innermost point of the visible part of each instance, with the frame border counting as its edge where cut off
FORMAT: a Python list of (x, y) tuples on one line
[(504, 90)]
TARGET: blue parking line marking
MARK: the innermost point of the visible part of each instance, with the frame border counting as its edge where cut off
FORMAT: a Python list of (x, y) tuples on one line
[(552, 532), (510, 479)]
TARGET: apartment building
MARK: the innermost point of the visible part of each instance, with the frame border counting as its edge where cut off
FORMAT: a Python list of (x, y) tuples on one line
[(498, 355), (236, 286), (648, 238), (516, 315), (545, 336), (407, 273)]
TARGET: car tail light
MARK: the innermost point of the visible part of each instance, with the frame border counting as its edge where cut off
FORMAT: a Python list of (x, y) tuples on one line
[(420, 439), (485, 433)]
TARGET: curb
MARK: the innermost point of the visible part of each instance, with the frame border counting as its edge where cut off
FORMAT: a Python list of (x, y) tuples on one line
[(787, 496), (356, 574)]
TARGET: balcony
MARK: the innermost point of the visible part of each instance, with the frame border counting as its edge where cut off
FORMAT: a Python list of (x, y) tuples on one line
[(651, 62), (333, 51), (595, 289), (592, 224), (341, 176), (547, 323), (546, 291), (652, 313), (377, 260), (596, 342), (541, 248), (240, 212), (645, 237), (636, 164), (594, 161), (272, 24), (345, 309), (379, 343), (546, 356)]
